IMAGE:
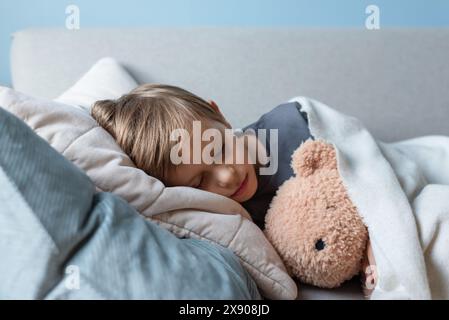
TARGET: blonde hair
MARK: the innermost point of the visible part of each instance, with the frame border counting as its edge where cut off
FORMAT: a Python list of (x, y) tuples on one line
[(141, 122)]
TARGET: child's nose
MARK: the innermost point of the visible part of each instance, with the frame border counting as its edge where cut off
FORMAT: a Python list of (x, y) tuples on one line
[(227, 177)]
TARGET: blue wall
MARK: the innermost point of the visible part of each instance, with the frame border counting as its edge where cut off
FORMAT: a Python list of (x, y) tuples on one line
[(19, 14)]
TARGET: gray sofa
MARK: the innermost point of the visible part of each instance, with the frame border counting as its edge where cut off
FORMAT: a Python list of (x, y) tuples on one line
[(395, 80)]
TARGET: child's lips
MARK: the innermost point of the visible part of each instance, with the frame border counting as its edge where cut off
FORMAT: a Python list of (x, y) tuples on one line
[(241, 188)]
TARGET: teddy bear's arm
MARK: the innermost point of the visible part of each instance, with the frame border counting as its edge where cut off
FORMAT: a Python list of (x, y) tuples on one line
[(368, 272)]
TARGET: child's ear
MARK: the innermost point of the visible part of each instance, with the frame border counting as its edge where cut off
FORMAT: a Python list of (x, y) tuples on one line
[(214, 106), (217, 110), (312, 156)]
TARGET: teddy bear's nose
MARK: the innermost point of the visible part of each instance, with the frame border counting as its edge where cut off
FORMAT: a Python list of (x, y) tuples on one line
[(319, 245)]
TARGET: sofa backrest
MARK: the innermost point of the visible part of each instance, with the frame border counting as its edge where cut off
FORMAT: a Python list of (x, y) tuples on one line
[(395, 80)]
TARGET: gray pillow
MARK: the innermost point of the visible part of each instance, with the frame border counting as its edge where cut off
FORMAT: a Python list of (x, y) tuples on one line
[(58, 239)]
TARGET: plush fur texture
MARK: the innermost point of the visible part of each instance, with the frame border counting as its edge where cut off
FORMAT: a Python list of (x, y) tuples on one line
[(312, 222)]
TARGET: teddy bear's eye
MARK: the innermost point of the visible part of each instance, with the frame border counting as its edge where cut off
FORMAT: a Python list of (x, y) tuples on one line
[(319, 245), (330, 206)]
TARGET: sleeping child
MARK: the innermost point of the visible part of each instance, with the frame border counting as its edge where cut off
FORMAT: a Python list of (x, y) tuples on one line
[(144, 120)]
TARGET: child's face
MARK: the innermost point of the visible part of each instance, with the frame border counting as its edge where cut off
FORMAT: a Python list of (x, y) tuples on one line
[(236, 181)]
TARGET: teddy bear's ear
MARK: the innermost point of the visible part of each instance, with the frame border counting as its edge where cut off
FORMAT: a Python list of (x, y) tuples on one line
[(313, 155)]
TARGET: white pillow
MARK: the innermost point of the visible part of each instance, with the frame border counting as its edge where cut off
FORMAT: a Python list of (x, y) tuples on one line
[(187, 212), (107, 79)]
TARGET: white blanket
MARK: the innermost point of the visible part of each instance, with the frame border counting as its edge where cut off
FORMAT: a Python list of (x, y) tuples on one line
[(402, 193)]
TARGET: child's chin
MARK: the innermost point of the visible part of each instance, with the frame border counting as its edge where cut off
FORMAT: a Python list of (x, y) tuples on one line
[(242, 198), (251, 192)]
